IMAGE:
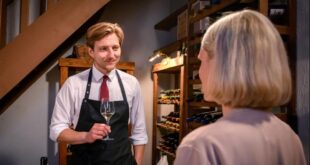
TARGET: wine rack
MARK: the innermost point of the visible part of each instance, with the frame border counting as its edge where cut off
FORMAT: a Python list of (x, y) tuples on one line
[(200, 119), (171, 96), (168, 128)]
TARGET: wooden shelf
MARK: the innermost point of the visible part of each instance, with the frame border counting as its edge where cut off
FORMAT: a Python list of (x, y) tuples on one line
[(171, 65), (191, 1), (194, 61), (172, 47), (203, 104), (194, 125), (284, 30), (168, 103), (195, 41), (171, 20), (172, 129), (165, 151), (282, 116), (197, 81), (211, 10)]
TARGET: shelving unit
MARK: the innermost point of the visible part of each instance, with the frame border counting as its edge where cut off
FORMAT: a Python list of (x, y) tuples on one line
[(174, 67), (190, 64)]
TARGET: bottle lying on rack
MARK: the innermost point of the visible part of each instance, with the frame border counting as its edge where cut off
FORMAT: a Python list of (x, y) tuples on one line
[(170, 125), (169, 142), (171, 96), (205, 117), (197, 96), (173, 116)]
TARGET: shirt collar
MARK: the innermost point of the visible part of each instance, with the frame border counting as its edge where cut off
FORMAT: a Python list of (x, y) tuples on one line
[(97, 75)]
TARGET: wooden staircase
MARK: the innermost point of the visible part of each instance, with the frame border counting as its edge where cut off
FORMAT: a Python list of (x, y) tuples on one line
[(32, 49)]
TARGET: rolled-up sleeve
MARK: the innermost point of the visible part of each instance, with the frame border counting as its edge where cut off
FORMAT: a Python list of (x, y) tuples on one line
[(61, 113), (137, 117)]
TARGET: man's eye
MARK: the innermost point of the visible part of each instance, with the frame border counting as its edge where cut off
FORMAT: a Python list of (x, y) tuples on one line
[(102, 49), (115, 48)]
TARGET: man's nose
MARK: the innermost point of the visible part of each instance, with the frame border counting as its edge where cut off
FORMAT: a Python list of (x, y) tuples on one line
[(110, 52)]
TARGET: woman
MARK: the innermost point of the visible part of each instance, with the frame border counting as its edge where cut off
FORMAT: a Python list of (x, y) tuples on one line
[(244, 68)]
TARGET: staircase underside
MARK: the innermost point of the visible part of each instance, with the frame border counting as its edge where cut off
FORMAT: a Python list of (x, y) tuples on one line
[(41, 44)]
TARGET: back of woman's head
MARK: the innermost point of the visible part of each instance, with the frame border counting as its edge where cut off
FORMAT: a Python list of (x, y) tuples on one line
[(250, 62)]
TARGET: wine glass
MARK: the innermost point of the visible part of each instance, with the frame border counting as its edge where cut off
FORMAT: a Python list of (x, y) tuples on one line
[(107, 110)]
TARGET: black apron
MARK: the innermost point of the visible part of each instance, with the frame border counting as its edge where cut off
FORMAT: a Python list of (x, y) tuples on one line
[(115, 152)]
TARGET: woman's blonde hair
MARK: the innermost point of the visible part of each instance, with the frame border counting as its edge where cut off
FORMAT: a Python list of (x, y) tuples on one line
[(250, 62), (102, 29)]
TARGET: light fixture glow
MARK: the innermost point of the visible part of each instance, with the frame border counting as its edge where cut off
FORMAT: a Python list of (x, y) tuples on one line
[(157, 55)]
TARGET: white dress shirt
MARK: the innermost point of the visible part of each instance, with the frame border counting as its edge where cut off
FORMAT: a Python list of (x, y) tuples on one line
[(69, 100)]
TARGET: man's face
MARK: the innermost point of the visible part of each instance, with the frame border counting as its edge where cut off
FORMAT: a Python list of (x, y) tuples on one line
[(106, 53)]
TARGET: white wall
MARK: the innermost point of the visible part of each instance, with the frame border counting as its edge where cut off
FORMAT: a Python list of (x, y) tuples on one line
[(24, 125), (302, 78)]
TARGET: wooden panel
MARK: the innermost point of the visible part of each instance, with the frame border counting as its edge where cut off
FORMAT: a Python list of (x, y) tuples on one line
[(172, 47), (41, 38), (51, 4), (2, 23), (203, 104), (283, 29), (155, 106), (82, 63), (171, 20), (183, 112), (64, 73), (263, 7), (62, 147), (24, 15)]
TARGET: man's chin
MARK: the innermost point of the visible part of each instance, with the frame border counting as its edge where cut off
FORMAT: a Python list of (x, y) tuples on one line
[(110, 67)]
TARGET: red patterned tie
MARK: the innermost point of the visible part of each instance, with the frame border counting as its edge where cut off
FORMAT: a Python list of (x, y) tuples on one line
[(104, 91)]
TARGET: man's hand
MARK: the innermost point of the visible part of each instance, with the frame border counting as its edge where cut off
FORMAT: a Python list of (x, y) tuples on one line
[(98, 131)]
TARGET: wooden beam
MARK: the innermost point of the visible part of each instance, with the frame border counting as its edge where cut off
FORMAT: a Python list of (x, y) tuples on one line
[(51, 4), (41, 38), (24, 15), (263, 7), (2, 23)]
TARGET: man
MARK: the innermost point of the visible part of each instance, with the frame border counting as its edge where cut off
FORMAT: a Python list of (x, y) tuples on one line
[(78, 104)]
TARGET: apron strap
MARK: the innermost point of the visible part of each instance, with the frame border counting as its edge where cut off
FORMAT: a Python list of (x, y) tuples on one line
[(88, 83), (122, 86)]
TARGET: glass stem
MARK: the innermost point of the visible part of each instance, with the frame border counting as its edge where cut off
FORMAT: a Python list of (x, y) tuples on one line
[(108, 123)]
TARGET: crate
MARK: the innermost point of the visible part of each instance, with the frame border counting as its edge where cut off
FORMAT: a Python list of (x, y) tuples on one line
[(182, 25), (203, 24)]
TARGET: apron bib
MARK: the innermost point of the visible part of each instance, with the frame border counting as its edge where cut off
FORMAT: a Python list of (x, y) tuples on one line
[(115, 152)]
